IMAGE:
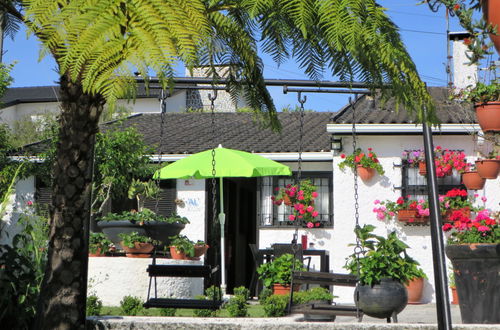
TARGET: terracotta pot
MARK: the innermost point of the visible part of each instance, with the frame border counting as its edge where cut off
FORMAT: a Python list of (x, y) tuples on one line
[(454, 295), (282, 290), (488, 116), (286, 200), (98, 253), (141, 250), (411, 216), (473, 181), (200, 250), (446, 216), (365, 173), (422, 168), (415, 289), (488, 168), (491, 13)]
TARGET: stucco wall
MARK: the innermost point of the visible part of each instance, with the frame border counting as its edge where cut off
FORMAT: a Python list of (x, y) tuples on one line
[(192, 193)]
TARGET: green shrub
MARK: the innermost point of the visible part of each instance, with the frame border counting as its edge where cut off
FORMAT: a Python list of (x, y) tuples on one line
[(167, 311), (242, 291), (264, 294), (213, 290), (131, 306), (237, 306), (205, 312), (317, 293), (275, 305), (94, 305)]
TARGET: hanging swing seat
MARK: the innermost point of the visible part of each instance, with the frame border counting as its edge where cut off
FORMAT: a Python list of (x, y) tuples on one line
[(326, 279), (182, 303)]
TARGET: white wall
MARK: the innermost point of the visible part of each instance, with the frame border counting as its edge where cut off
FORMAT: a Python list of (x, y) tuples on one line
[(192, 192)]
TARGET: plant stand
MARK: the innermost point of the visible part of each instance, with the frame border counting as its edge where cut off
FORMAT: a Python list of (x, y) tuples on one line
[(477, 276)]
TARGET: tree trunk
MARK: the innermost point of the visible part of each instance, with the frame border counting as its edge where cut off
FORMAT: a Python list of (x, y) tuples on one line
[(62, 300)]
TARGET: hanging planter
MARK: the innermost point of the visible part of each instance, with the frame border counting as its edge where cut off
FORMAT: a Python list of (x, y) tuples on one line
[(365, 173), (477, 276), (422, 168), (473, 181), (488, 116), (491, 12), (488, 168)]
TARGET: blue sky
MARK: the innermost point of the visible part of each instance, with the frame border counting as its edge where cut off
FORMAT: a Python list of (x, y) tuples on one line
[(423, 32)]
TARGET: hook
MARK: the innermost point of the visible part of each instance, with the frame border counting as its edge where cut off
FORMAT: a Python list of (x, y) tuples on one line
[(285, 89), (300, 99), (214, 97)]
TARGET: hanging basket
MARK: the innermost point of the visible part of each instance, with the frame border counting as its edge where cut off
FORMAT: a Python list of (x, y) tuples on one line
[(365, 173), (488, 168), (491, 12), (473, 181), (488, 116), (422, 168)]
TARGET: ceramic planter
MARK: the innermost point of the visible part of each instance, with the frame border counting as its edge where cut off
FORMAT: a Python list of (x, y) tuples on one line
[(473, 181), (97, 253), (382, 300), (411, 216), (491, 12), (488, 116), (477, 278), (415, 290), (488, 168), (365, 173), (140, 250)]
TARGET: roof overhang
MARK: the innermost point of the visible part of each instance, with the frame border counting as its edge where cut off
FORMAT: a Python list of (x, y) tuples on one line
[(407, 129), (278, 156)]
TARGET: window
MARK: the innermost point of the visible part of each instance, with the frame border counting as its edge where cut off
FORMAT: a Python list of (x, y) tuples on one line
[(166, 204), (273, 215), (415, 184)]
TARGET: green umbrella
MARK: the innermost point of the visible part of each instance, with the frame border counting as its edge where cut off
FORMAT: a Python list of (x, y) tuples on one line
[(228, 163)]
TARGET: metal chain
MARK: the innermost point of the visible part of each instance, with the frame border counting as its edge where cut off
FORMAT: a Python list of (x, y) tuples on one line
[(214, 182), (163, 107), (299, 161)]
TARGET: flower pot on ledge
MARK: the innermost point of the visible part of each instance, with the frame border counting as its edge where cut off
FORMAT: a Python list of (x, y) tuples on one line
[(473, 181), (488, 168), (140, 250), (282, 290), (365, 173), (422, 168), (447, 215), (411, 216), (488, 116)]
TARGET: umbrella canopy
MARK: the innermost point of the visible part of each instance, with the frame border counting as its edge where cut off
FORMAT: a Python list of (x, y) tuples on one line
[(228, 163)]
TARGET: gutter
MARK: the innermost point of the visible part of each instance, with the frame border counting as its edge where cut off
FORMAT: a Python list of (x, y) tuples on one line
[(281, 156), (385, 129)]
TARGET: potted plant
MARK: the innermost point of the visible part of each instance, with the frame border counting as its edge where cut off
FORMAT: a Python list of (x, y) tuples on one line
[(301, 199), (415, 286), (182, 248), (471, 178), (317, 296), (486, 100), (453, 287), (404, 209), (99, 245), (489, 166), (416, 158), (365, 163), (456, 203), (136, 245), (278, 273), (474, 251), (447, 160), (383, 268), (145, 222)]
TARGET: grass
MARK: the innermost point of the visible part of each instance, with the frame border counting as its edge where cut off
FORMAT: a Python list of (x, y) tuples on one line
[(253, 311)]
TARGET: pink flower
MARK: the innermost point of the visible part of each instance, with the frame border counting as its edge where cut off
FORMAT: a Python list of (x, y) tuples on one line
[(276, 189), (29, 203), (302, 211), (310, 208), (392, 214), (380, 215), (483, 228), (317, 224), (291, 217), (315, 214), (484, 199), (300, 198), (296, 206), (441, 198), (447, 227), (310, 225), (314, 194), (376, 201)]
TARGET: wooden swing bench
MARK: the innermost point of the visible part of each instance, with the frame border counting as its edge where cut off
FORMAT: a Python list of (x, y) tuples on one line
[(326, 279)]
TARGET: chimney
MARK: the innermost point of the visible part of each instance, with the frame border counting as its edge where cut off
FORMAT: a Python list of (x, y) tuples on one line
[(463, 74)]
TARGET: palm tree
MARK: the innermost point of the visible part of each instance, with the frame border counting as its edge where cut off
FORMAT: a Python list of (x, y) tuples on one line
[(9, 23), (98, 44)]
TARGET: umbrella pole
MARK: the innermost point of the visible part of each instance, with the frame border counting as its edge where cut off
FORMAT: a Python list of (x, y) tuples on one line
[(222, 221)]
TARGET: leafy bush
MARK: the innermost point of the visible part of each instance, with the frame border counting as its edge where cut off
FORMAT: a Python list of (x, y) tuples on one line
[(99, 241), (131, 306), (242, 291), (237, 306), (317, 293), (167, 311), (94, 305), (204, 312), (275, 305), (279, 270), (129, 239), (264, 294)]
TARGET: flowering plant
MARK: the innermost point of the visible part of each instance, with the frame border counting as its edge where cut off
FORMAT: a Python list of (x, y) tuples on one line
[(413, 157), (301, 199), (456, 199), (388, 209), (449, 160), (484, 228), (359, 157)]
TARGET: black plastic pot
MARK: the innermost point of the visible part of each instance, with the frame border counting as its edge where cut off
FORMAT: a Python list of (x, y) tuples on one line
[(160, 231), (477, 277), (382, 300)]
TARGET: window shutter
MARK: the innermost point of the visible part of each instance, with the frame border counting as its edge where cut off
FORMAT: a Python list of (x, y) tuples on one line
[(168, 193)]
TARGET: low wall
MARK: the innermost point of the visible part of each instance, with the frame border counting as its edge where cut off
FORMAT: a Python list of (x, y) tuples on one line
[(112, 278)]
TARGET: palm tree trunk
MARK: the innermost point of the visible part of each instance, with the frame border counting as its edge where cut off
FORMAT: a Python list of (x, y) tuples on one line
[(61, 304)]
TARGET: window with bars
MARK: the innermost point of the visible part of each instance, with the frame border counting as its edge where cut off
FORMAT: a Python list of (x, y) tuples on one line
[(271, 215)]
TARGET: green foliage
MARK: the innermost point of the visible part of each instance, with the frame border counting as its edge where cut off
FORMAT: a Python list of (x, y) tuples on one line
[(359, 157), (144, 216), (205, 312), (31, 128), (131, 306), (317, 293), (275, 305), (167, 311), (99, 241), (237, 306), (264, 294), (481, 92), (133, 237), (21, 273), (5, 78), (242, 291), (381, 258), (94, 305), (184, 245), (141, 190), (279, 270)]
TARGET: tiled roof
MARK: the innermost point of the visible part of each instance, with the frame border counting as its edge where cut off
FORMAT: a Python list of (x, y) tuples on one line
[(369, 110), (35, 94), (192, 132)]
